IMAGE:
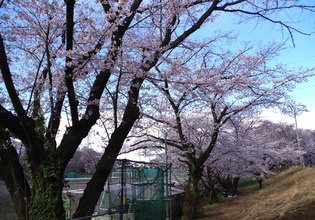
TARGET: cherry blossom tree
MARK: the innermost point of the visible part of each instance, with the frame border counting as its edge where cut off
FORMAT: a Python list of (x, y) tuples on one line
[(285, 134), (307, 140), (212, 92), (76, 59), (59, 58), (84, 160), (252, 148)]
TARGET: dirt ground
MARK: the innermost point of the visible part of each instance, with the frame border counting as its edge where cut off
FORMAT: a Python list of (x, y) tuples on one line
[(229, 209)]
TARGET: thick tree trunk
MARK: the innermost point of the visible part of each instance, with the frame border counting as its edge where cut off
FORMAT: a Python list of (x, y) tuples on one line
[(12, 173), (47, 203), (259, 181), (191, 194), (46, 200), (235, 186), (229, 184), (209, 188), (95, 186), (18, 189), (213, 197)]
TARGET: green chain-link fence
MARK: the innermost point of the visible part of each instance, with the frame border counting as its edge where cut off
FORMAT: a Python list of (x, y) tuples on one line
[(134, 189)]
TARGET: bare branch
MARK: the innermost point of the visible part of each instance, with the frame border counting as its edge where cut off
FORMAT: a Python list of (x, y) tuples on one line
[(69, 69), (7, 77)]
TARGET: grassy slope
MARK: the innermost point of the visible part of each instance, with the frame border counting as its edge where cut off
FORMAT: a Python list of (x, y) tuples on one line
[(289, 195)]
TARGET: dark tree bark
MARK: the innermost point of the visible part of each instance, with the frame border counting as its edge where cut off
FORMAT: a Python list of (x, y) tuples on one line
[(209, 183), (13, 174), (229, 184), (235, 186), (191, 193), (259, 181), (96, 185)]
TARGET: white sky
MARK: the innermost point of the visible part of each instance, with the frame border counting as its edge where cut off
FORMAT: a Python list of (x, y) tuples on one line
[(306, 120)]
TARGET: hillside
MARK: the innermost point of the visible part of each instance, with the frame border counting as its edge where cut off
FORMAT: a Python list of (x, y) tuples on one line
[(289, 195)]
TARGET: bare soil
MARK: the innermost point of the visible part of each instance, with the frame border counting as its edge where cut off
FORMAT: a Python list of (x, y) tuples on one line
[(229, 208)]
